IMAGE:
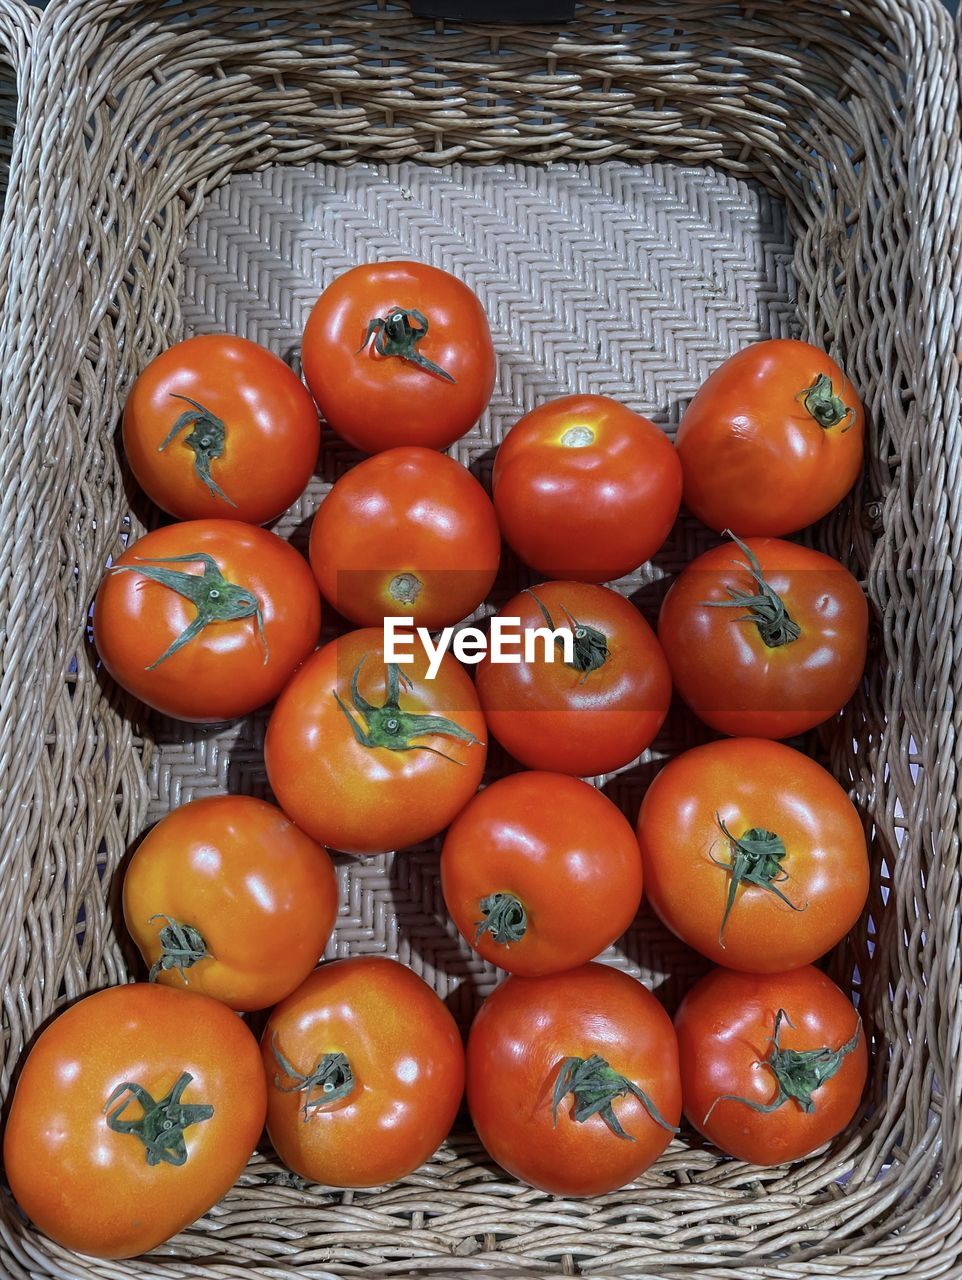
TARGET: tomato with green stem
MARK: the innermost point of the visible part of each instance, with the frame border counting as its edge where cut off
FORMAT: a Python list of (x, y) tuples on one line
[(773, 1066)]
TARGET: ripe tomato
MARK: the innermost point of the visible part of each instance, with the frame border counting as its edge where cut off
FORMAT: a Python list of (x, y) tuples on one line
[(573, 1081), (593, 716), (586, 489), (772, 441), (219, 427), (366, 1073), (753, 854), (772, 1065), (227, 897), (366, 756), (409, 533), (206, 620), (136, 1110), (768, 643), (399, 353), (540, 872)]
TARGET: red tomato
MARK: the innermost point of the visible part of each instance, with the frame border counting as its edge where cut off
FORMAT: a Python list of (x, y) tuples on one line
[(573, 1081), (226, 896), (136, 1110), (366, 1073), (220, 427), (772, 441), (206, 620), (766, 639), (586, 489), (399, 353), (409, 533), (753, 854), (365, 756), (588, 718), (773, 1066), (540, 873)]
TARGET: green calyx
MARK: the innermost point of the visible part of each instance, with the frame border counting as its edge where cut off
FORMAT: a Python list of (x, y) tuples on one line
[(504, 917), (798, 1072), (162, 1125), (207, 439), (763, 605), (182, 946), (398, 334), (590, 645), (824, 405), (756, 858), (330, 1080), (595, 1086), (215, 599), (389, 726)]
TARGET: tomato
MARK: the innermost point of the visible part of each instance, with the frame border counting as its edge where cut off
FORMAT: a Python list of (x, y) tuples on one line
[(772, 441), (593, 716), (136, 1110), (366, 756), (220, 427), (206, 620), (366, 1073), (227, 897), (772, 1065), (399, 353), (540, 872), (766, 643), (573, 1081), (753, 854), (585, 489), (409, 533)]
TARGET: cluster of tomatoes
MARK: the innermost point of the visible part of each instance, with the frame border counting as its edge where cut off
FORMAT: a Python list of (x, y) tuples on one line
[(139, 1106)]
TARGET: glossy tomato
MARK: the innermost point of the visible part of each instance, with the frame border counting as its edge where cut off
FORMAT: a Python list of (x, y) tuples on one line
[(220, 427), (586, 489), (573, 1081), (136, 1110), (399, 353), (772, 1065), (766, 638), (407, 534), (206, 620), (366, 756), (227, 897), (753, 854), (540, 872), (772, 441), (589, 717), (366, 1072)]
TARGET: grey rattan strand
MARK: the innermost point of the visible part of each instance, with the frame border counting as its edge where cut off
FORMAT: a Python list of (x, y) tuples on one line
[(131, 116)]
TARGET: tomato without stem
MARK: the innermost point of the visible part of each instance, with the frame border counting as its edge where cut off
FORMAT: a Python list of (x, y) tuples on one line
[(408, 534), (399, 353), (753, 854), (220, 427), (227, 897), (586, 489), (592, 716), (136, 1110), (766, 638), (772, 441), (573, 1081), (366, 1073), (540, 873), (206, 620), (772, 1065)]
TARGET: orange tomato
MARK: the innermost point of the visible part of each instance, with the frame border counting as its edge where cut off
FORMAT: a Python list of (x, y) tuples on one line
[(219, 427)]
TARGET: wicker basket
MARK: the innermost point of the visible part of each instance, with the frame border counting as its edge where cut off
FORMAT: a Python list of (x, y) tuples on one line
[(120, 236)]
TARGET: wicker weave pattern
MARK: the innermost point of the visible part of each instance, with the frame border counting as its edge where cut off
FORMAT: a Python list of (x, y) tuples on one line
[(132, 115)]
